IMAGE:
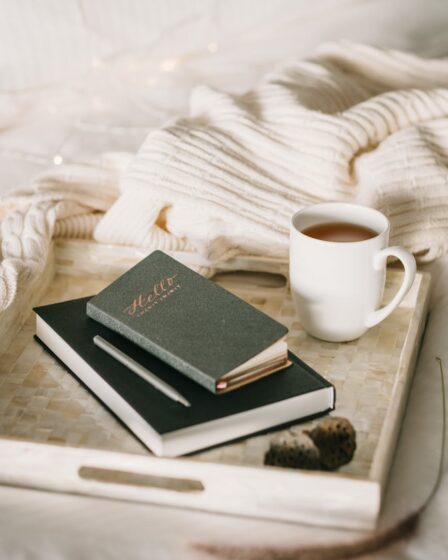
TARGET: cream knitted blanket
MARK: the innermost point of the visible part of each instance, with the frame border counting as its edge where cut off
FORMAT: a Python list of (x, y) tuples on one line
[(354, 123)]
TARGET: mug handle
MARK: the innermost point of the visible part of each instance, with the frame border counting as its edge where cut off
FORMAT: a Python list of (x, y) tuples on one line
[(410, 268)]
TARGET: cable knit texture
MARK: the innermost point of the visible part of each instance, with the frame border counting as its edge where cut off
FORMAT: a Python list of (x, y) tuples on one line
[(355, 123)]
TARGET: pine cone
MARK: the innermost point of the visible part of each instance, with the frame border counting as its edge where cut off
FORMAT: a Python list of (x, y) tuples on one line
[(328, 446), (296, 451), (335, 438)]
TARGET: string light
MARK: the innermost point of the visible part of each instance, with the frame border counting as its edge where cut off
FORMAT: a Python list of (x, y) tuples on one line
[(98, 103), (212, 47), (169, 64), (96, 62), (166, 65), (152, 80)]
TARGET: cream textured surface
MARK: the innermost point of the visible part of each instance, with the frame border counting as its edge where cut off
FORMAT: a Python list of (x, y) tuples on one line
[(40, 401)]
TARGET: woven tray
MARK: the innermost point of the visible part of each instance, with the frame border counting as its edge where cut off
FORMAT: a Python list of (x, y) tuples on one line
[(55, 435)]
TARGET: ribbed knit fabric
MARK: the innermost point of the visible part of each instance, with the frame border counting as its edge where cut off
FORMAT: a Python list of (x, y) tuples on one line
[(78, 227), (355, 123)]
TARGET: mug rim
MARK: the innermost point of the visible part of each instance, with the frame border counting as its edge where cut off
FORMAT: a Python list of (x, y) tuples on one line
[(351, 205)]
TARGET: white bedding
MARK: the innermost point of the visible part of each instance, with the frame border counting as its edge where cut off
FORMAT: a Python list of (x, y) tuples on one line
[(110, 106)]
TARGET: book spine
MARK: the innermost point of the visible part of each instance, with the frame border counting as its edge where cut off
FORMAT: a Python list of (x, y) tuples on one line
[(160, 352)]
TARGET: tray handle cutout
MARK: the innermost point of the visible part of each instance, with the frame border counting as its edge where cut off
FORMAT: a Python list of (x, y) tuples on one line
[(128, 478)]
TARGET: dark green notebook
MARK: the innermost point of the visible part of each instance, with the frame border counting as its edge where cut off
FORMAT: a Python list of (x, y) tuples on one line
[(192, 324), (165, 426)]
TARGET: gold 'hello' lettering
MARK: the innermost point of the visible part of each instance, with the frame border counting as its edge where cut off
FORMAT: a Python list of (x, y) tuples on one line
[(143, 299)]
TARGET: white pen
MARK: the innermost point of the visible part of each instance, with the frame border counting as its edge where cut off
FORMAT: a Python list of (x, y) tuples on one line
[(140, 370)]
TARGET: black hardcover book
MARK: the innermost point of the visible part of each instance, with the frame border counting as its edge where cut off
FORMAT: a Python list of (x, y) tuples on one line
[(196, 326), (165, 426)]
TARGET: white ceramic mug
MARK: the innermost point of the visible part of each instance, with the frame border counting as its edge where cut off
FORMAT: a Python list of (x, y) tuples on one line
[(337, 287)]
